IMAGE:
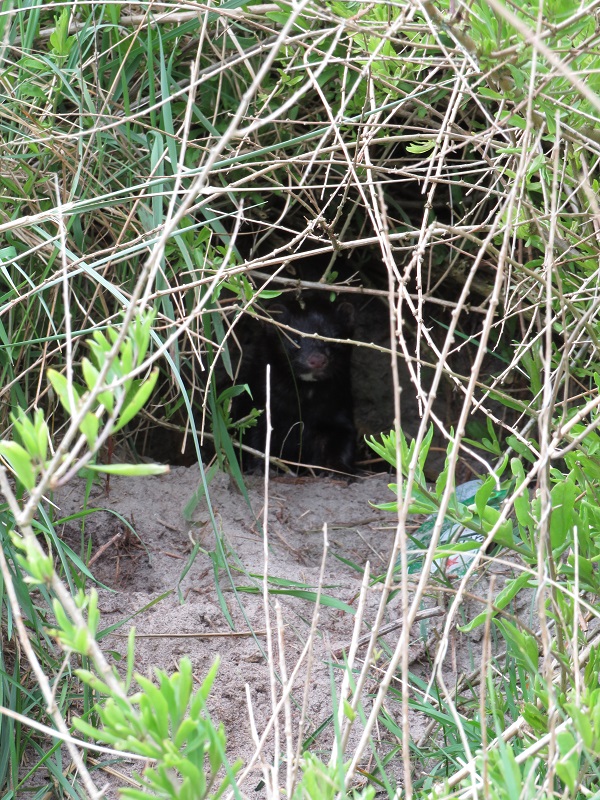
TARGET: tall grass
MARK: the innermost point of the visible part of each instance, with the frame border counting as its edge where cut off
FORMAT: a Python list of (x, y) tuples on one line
[(176, 158)]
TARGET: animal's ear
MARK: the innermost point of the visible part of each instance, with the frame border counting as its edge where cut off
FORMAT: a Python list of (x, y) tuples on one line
[(345, 314)]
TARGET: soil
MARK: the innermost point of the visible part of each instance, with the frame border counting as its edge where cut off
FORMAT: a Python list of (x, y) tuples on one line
[(209, 604), (188, 573), (139, 568)]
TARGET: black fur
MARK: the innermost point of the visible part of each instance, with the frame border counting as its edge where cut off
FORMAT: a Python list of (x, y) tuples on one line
[(311, 392)]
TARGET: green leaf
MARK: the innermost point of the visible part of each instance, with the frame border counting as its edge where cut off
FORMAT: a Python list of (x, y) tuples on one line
[(39, 567), (484, 493), (202, 694), (521, 503), (424, 451), (511, 589), (421, 503), (154, 708), (349, 712), (99, 347), (60, 385), (126, 361), (504, 535), (42, 435), (582, 723), (89, 426), (324, 599), (20, 463), (91, 374), (386, 449), (567, 766), (562, 517), (442, 480), (535, 718), (421, 147), (129, 470), (92, 732), (139, 397), (7, 254), (141, 332), (453, 548), (589, 466), (391, 507), (521, 645), (522, 449), (492, 94), (26, 432), (60, 41), (184, 732), (93, 681)]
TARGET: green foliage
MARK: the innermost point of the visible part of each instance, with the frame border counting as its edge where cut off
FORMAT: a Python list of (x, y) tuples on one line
[(128, 395), (109, 388), (168, 723), (491, 112), (565, 534), (321, 782), (480, 517), (60, 41)]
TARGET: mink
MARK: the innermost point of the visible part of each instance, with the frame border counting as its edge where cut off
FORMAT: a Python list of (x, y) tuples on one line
[(311, 391)]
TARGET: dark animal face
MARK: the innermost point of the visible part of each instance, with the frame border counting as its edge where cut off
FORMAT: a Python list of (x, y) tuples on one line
[(313, 359)]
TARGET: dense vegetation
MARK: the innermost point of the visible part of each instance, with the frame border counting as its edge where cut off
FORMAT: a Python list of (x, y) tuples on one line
[(162, 166)]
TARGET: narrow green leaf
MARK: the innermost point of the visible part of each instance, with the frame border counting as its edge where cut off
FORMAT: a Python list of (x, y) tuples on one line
[(203, 692), (511, 589), (484, 493), (20, 463), (325, 599), (89, 426), (138, 399), (521, 644), (567, 765), (42, 435), (130, 470), (61, 387), (522, 504), (562, 517)]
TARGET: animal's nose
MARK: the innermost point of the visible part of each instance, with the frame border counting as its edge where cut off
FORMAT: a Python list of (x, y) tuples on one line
[(317, 361)]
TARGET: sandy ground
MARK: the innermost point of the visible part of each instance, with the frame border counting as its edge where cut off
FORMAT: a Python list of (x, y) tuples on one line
[(169, 519)]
